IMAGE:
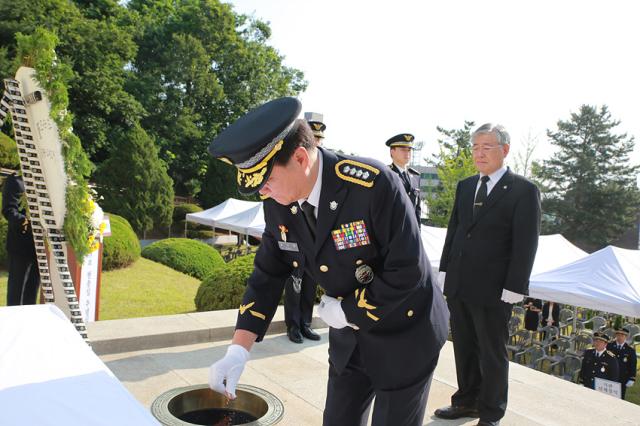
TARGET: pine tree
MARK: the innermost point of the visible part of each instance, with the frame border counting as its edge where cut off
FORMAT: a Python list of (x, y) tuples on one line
[(134, 182), (590, 194)]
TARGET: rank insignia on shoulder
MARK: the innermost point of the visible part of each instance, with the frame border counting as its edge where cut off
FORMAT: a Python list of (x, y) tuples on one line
[(357, 172), (610, 353)]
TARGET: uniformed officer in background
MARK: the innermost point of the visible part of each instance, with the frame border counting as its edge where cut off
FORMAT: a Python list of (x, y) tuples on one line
[(24, 277), (400, 148), (300, 295), (598, 362), (627, 359), (347, 223)]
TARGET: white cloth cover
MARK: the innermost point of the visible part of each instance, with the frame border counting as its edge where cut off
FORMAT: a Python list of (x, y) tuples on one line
[(49, 376), (607, 280)]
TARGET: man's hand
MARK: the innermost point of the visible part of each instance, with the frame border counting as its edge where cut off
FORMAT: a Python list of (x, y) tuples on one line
[(330, 310), (511, 297), (228, 368), (630, 383)]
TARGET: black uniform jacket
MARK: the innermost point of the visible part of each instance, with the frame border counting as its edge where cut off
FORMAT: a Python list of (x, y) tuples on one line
[(627, 361), (364, 220), (496, 250), (412, 189), (603, 367), (19, 233)]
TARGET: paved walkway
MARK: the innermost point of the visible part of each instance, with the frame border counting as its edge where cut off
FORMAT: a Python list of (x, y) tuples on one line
[(297, 375)]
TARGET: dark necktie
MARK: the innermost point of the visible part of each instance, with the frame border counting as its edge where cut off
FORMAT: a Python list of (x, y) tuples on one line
[(481, 196), (405, 179), (307, 209)]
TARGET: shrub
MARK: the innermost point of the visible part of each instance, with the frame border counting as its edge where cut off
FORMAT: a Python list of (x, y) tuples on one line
[(8, 153), (194, 230), (188, 256), (122, 248), (224, 288)]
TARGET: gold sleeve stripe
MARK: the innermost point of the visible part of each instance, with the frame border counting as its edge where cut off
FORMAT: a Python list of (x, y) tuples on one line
[(373, 317), (244, 307), (257, 314)]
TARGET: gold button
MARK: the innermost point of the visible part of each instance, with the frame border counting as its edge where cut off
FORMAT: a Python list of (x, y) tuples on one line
[(324, 268), (409, 313), (295, 264), (359, 262)]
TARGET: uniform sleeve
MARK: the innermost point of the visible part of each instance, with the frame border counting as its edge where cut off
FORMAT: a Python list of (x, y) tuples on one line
[(526, 229), (11, 202), (633, 361), (404, 264), (451, 231), (264, 288)]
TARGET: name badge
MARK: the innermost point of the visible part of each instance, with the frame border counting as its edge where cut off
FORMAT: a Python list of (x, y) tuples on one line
[(288, 246)]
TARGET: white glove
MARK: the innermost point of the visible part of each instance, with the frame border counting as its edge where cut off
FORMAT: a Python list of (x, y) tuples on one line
[(630, 383), (330, 310), (230, 368), (511, 297)]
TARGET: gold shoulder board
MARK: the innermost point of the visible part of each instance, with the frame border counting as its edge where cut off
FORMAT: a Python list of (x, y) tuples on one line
[(356, 172)]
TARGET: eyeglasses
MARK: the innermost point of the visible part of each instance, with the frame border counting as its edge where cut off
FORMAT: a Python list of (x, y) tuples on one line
[(484, 148)]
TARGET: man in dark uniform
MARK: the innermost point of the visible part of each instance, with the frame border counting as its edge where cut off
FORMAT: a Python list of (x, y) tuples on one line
[(598, 362), (346, 222), (300, 295), (627, 359), (24, 277), (488, 255), (400, 147)]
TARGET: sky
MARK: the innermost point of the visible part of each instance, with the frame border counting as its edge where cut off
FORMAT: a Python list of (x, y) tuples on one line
[(375, 69)]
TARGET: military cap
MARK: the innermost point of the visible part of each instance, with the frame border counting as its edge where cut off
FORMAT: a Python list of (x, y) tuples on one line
[(600, 336), (317, 127), (622, 330), (403, 139), (252, 141)]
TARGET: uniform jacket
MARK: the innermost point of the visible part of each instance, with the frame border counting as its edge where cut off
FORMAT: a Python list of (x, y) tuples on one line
[(412, 188), (496, 250), (603, 367), (19, 234), (627, 361), (402, 318)]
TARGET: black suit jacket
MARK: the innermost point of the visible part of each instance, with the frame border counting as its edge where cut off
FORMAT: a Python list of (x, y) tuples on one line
[(496, 250), (555, 314), (19, 233), (402, 317), (412, 188)]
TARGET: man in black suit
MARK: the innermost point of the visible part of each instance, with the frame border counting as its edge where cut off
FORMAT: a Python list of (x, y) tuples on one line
[(300, 294), (627, 359), (24, 277), (347, 223), (400, 148), (488, 254)]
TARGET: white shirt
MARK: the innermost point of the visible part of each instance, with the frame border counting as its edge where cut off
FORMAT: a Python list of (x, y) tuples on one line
[(493, 179), (600, 353), (314, 195), (402, 169)]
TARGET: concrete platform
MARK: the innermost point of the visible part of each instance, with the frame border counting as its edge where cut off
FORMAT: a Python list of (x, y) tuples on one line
[(297, 374)]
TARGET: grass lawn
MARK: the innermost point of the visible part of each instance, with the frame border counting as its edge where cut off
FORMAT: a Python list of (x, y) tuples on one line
[(143, 289)]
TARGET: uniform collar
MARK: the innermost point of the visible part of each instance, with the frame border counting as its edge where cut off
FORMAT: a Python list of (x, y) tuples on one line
[(402, 169), (314, 195), (497, 175)]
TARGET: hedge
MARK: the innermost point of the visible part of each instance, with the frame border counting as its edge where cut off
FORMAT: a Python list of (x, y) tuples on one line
[(188, 256), (194, 230), (224, 288), (122, 248)]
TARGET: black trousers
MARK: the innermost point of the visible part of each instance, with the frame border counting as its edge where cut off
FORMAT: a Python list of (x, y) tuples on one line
[(480, 337), (349, 397), (298, 306), (24, 280)]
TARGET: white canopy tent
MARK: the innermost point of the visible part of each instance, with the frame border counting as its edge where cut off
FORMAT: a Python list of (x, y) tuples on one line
[(248, 222), (223, 210), (607, 280)]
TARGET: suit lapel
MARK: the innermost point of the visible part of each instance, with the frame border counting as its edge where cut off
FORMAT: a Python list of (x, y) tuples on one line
[(332, 196), (499, 190)]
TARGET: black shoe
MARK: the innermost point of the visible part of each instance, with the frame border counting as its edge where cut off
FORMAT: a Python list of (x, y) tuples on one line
[(488, 423), (308, 332), (455, 412), (294, 334)]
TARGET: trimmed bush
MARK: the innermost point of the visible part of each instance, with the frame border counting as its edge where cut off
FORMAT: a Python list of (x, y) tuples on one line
[(188, 256), (122, 248), (224, 288), (8, 153), (194, 230)]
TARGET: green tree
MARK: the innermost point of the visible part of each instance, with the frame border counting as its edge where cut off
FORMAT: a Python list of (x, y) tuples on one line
[(589, 187), (199, 66), (454, 162), (133, 181)]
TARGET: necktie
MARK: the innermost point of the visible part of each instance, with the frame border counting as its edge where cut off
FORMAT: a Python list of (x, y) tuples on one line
[(307, 209), (481, 196), (405, 179)]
